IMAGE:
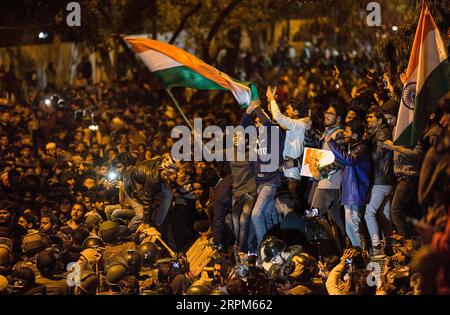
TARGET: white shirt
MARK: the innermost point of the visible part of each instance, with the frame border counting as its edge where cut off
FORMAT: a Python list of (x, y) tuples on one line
[(295, 137)]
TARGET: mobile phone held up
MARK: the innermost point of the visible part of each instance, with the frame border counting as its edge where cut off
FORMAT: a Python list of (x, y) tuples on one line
[(311, 213)]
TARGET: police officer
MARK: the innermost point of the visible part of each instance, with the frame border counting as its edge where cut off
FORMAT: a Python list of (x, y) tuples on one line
[(50, 264)]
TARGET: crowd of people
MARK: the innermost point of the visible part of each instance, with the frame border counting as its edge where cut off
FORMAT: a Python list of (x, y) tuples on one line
[(93, 202)]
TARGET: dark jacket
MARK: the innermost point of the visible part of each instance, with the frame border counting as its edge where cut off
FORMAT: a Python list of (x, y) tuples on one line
[(407, 164), (221, 203), (142, 182), (292, 230), (434, 178), (265, 148), (382, 159), (243, 173), (431, 136), (356, 172)]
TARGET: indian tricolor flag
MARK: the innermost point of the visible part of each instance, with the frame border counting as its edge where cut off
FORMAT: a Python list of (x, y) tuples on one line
[(427, 80), (176, 67)]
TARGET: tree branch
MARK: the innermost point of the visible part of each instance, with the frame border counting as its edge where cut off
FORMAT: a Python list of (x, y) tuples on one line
[(184, 21), (101, 8), (222, 16), (216, 26)]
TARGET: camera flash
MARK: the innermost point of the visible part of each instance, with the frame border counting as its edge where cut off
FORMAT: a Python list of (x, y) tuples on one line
[(112, 175)]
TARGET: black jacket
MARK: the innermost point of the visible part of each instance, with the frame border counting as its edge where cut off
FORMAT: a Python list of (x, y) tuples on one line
[(221, 196), (142, 182), (291, 230), (382, 159)]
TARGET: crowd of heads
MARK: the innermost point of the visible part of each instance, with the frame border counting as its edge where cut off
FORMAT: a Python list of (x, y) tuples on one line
[(63, 148)]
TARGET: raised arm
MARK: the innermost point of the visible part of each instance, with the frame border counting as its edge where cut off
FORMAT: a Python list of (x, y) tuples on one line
[(283, 120), (347, 158), (246, 119)]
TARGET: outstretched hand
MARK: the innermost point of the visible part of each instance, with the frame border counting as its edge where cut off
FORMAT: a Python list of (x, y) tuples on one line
[(271, 93)]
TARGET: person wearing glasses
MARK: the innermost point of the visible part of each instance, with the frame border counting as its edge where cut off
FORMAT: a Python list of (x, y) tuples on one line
[(327, 195)]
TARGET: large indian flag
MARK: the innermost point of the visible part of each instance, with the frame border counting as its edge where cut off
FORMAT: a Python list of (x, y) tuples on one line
[(427, 80), (176, 67)]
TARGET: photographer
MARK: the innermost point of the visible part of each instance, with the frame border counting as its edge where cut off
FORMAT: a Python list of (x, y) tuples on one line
[(394, 279), (349, 277)]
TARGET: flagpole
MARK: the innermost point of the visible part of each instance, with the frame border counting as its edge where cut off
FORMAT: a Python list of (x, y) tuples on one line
[(179, 108), (185, 118)]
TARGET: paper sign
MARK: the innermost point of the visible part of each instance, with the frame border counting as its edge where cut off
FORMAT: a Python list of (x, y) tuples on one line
[(313, 159)]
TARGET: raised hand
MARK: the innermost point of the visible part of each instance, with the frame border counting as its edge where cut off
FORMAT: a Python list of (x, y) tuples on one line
[(336, 72), (271, 93), (253, 105)]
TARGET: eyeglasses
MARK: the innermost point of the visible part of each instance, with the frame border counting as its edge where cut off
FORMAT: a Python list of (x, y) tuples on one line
[(329, 114)]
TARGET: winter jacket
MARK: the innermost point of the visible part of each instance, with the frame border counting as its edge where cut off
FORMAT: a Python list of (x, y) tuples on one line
[(356, 172), (407, 165), (221, 203), (382, 159), (142, 183)]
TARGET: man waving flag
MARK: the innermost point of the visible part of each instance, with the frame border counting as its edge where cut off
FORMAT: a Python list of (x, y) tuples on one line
[(176, 67), (427, 80)]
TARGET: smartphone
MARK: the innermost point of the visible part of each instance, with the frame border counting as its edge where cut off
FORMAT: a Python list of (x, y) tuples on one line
[(348, 261), (311, 213), (176, 264)]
